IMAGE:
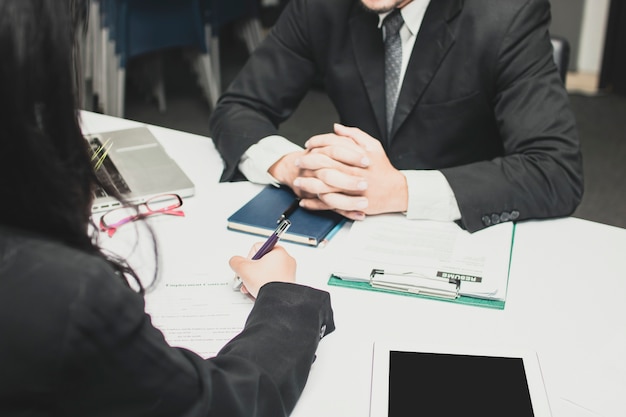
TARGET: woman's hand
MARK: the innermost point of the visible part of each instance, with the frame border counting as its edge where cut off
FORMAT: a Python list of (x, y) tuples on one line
[(276, 266)]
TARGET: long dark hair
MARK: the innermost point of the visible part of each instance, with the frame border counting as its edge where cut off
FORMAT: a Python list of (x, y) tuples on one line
[(46, 175)]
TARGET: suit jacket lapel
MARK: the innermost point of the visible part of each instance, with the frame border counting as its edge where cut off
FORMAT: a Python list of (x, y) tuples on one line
[(433, 42), (369, 54)]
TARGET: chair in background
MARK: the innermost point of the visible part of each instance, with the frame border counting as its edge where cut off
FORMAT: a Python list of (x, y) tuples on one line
[(561, 51), (149, 26), (94, 49), (125, 29), (243, 14)]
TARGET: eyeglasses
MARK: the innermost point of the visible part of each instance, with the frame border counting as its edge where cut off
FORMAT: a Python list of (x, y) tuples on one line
[(160, 204)]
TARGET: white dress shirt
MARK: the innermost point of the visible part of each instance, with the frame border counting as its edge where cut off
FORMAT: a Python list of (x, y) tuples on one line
[(430, 195)]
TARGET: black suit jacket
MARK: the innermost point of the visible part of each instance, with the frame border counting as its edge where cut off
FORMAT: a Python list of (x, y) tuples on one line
[(481, 100), (75, 341)]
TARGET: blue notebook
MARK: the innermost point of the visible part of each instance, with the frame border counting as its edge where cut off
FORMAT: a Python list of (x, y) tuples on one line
[(259, 216)]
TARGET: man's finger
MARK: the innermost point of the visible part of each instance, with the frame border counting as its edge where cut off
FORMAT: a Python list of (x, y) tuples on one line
[(315, 161), (337, 201), (331, 180), (327, 139), (357, 135)]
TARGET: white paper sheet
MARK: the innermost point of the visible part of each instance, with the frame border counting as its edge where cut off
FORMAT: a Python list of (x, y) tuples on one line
[(199, 315), (400, 246)]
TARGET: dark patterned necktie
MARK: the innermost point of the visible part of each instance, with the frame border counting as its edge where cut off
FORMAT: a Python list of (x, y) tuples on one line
[(393, 61)]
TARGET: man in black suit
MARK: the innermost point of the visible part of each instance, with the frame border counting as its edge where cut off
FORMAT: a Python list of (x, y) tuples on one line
[(482, 130)]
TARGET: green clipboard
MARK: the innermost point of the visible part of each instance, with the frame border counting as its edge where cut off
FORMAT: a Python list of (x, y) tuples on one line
[(461, 299)]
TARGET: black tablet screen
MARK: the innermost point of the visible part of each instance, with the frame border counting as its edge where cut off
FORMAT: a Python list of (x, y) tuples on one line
[(447, 385)]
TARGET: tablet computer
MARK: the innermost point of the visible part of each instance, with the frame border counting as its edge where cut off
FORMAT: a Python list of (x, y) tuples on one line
[(410, 379)]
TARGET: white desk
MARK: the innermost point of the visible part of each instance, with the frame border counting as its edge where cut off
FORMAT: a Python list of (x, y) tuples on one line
[(566, 297)]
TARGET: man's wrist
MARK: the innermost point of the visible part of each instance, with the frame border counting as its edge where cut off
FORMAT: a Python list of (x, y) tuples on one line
[(257, 160), (399, 195), (285, 170), (430, 196)]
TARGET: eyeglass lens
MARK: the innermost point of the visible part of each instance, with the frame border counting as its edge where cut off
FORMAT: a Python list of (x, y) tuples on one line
[(158, 204)]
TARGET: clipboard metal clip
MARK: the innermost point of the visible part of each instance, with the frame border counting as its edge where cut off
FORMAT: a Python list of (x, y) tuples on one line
[(416, 283)]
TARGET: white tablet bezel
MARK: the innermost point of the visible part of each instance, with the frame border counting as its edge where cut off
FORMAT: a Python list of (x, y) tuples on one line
[(379, 395)]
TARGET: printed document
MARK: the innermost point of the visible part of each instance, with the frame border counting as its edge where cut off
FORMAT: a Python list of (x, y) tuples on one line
[(198, 314), (404, 248)]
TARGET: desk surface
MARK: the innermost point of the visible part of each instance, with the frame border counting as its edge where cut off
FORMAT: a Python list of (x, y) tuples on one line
[(566, 297)]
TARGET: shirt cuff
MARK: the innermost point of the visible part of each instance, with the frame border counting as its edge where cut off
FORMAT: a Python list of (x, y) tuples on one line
[(261, 156), (430, 196)]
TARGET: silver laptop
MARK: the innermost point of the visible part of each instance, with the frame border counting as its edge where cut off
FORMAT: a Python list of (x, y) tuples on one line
[(135, 163)]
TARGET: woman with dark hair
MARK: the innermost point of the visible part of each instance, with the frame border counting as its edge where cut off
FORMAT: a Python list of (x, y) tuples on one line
[(75, 340)]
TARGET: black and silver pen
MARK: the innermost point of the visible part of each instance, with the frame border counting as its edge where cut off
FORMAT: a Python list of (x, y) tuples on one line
[(267, 246), (289, 211)]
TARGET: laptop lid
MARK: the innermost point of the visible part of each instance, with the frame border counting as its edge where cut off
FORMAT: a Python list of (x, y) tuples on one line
[(136, 163)]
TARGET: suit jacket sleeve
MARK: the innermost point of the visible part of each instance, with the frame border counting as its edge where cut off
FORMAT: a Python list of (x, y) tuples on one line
[(266, 91), (117, 363)]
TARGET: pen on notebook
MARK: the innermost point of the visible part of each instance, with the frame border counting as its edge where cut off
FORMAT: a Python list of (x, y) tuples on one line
[(289, 211), (266, 247)]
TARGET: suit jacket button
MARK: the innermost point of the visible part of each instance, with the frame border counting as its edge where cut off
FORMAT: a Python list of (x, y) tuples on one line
[(495, 219), (505, 216), (322, 331), (514, 214), (486, 220)]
